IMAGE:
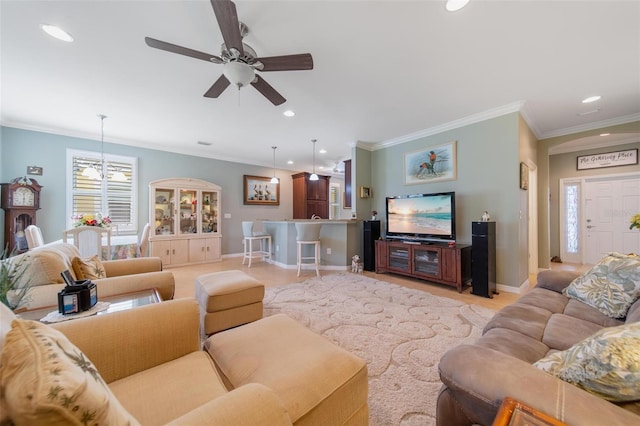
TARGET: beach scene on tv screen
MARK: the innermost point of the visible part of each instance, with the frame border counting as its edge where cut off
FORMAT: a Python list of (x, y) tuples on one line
[(428, 215)]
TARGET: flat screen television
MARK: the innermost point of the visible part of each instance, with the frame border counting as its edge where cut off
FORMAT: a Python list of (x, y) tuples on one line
[(422, 217)]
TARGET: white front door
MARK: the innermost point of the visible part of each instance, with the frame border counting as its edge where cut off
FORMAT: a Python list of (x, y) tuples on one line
[(609, 204)]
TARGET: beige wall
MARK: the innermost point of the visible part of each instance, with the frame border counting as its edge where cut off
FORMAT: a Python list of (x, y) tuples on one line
[(545, 184)]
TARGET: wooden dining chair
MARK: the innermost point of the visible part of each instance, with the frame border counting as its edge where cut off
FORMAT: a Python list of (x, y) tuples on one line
[(89, 241)]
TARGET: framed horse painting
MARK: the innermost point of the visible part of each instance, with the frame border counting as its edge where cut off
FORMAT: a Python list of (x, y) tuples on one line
[(433, 164)]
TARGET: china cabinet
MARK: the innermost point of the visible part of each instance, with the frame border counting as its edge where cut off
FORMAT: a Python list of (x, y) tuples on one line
[(184, 215)]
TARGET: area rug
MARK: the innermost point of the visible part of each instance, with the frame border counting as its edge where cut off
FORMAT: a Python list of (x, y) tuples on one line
[(400, 332)]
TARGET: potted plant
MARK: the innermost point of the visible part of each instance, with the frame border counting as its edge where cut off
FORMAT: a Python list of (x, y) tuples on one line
[(12, 294)]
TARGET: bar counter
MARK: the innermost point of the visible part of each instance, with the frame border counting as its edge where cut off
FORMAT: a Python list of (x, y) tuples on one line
[(342, 237)]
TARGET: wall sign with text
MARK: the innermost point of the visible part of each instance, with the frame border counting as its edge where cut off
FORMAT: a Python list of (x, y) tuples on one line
[(608, 159)]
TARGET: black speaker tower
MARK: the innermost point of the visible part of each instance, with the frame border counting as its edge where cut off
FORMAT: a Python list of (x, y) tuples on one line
[(370, 235), (483, 258)]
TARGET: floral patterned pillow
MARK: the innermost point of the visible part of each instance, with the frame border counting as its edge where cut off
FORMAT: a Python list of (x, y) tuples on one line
[(90, 269), (48, 380), (611, 286), (606, 364)]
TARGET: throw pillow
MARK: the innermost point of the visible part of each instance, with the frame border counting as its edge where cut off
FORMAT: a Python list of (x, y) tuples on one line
[(611, 286), (47, 380), (606, 364), (89, 269)]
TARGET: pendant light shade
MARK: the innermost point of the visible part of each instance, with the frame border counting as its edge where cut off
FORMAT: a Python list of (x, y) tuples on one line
[(238, 73), (314, 176), (274, 179)]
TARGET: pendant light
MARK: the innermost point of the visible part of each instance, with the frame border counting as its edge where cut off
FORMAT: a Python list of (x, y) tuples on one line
[(314, 176), (92, 171), (274, 179)]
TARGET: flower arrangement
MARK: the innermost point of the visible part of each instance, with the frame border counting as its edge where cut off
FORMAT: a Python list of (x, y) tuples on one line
[(635, 221), (91, 220)]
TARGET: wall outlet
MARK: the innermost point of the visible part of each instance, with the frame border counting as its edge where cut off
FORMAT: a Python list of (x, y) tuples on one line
[(329, 250)]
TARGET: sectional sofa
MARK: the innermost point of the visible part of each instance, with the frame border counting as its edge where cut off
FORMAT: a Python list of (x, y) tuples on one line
[(476, 378)]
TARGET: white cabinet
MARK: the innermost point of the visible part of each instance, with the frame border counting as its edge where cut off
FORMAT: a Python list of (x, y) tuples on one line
[(184, 215)]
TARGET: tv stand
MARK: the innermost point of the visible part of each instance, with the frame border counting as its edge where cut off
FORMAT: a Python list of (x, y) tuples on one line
[(430, 261)]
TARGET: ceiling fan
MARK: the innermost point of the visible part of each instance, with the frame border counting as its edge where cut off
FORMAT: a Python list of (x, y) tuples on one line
[(239, 60)]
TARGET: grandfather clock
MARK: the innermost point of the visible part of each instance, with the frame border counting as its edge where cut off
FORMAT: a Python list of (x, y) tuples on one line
[(20, 201)]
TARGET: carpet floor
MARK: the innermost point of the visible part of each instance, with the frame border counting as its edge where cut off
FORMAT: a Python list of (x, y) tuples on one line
[(400, 332)]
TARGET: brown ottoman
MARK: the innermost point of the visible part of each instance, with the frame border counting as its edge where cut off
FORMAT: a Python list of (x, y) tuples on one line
[(228, 299)]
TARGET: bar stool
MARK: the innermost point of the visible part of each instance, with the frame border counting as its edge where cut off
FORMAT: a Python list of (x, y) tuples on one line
[(308, 234), (249, 237)]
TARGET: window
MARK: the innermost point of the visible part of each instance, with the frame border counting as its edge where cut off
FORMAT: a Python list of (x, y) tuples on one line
[(334, 201), (90, 194), (571, 214)]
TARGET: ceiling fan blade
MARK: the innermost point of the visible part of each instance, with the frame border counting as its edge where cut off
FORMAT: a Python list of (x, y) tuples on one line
[(218, 87), (227, 16), (268, 91), (174, 48), (302, 61)]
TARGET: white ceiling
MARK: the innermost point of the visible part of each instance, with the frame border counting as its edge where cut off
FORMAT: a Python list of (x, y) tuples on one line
[(383, 70)]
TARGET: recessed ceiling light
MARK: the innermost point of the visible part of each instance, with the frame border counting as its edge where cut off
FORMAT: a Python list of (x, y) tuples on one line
[(323, 151), (289, 113), (56, 32), (591, 99), (454, 5), (605, 134), (289, 162)]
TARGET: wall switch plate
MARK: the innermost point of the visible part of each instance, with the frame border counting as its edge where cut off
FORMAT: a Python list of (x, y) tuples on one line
[(227, 215), (329, 250)]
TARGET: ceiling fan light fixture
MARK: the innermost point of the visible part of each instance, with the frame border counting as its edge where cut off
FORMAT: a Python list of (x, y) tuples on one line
[(455, 5), (238, 73), (56, 32)]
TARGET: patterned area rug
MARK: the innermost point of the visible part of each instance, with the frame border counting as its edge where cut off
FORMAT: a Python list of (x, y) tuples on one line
[(400, 332)]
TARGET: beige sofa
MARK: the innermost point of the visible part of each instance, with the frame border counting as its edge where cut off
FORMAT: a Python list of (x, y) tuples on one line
[(271, 372), (478, 377), (44, 265)]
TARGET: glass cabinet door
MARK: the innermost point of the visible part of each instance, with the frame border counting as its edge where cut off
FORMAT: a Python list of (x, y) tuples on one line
[(164, 211), (399, 258), (426, 261), (209, 212), (188, 218)]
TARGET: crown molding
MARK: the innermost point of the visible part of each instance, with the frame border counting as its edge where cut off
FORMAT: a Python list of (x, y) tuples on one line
[(591, 126), (465, 121)]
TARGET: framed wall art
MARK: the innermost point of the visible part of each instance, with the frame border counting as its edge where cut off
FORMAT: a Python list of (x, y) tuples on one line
[(259, 190), (432, 164), (365, 192), (608, 159)]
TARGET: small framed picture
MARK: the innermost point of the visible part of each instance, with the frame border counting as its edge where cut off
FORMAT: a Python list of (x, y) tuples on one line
[(524, 176), (365, 192), (260, 190)]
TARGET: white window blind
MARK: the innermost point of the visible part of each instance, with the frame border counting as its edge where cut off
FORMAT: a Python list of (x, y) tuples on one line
[(90, 195)]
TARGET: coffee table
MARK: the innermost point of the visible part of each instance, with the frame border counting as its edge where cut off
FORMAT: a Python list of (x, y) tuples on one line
[(120, 302)]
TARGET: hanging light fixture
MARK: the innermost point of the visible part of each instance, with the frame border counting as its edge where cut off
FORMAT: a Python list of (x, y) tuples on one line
[(92, 171), (314, 176), (274, 179)]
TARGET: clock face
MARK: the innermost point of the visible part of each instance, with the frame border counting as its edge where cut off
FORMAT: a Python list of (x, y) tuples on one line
[(23, 197)]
